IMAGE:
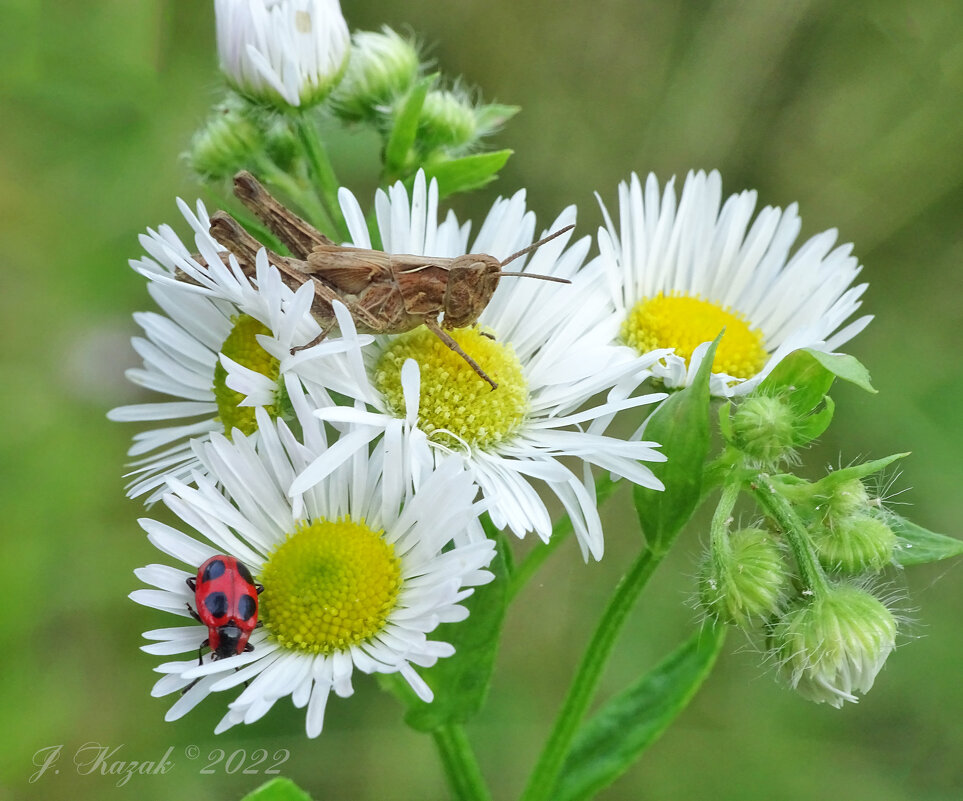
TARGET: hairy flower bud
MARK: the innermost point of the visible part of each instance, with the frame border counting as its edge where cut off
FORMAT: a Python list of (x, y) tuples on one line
[(226, 143), (855, 544), (447, 120), (383, 67), (831, 646), (846, 498), (763, 429), (746, 580), (285, 53)]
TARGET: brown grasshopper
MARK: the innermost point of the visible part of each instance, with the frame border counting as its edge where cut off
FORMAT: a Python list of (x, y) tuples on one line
[(386, 293)]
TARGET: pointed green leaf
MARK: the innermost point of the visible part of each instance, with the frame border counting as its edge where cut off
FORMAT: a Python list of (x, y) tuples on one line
[(466, 173), (493, 116), (631, 721), (827, 484), (846, 367), (681, 425), (917, 545), (279, 789), (460, 682), (801, 379), (811, 427), (405, 128)]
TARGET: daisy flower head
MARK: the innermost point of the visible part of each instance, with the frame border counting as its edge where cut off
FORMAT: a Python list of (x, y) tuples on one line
[(357, 571), (214, 314), (288, 53), (546, 345), (680, 271)]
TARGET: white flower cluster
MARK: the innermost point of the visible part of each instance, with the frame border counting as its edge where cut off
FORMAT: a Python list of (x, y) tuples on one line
[(360, 467)]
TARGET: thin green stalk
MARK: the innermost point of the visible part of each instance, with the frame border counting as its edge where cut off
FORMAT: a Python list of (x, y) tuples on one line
[(576, 703), (527, 567), (307, 200), (321, 171), (780, 510), (461, 767)]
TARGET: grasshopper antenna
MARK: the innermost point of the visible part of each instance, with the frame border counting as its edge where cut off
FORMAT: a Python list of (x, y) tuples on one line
[(532, 247)]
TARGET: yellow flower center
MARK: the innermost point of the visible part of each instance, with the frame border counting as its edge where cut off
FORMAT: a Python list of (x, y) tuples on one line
[(242, 347), (456, 404), (683, 323), (329, 585)]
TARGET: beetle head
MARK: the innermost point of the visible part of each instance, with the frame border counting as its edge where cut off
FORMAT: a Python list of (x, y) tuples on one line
[(231, 639)]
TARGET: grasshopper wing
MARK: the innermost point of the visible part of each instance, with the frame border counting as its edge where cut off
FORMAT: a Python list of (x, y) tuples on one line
[(352, 270)]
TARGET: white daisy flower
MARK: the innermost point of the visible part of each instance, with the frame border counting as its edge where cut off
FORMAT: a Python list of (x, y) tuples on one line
[(283, 52), (213, 316), (679, 274), (546, 345), (357, 571)]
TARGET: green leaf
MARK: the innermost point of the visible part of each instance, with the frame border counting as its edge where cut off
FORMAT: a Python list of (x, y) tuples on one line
[(846, 367), (827, 484), (631, 721), (811, 427), (466, 173), (917, 545), (460, 682), (279, 789), (681, 425), (492, 116), (808, 375), (405, 129)]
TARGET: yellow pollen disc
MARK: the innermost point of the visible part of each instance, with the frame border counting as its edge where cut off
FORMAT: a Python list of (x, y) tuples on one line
[(683, 323), (329, 585), (242, 347), (456, 404)]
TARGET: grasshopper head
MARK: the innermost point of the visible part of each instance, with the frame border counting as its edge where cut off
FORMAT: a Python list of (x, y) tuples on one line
[(472, 281)]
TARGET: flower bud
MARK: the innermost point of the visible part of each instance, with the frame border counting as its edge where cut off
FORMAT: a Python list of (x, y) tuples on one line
[(846, 498), (447, 120), (855, 544), (746, 580), (226, 143), (831, 646), (763, 429), (383, 67), (285, 53)]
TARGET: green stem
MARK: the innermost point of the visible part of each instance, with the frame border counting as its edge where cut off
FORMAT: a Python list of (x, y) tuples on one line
[(306, 199), (719, 528), (780, 510), (543, 778), (321, 171), (529, 565), (461, 767)]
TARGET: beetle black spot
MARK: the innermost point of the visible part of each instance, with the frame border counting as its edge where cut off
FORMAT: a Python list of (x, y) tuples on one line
[(246, 607), (244, 573), (214, 570), (216, 604)]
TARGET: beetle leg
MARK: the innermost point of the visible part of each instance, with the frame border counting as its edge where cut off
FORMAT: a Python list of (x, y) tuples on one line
[(445, 337), (259, 588), (194, 614), (200, 657), (248, 648), (192, 583)]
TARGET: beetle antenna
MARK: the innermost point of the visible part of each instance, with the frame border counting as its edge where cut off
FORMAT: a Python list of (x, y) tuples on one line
[(554, 278), (538, 244)]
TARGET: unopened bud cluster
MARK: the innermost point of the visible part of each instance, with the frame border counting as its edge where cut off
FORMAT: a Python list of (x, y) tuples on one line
[(807, 579), (284, 57)]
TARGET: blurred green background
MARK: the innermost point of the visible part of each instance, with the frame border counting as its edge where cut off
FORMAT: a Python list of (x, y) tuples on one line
[(853, 109)]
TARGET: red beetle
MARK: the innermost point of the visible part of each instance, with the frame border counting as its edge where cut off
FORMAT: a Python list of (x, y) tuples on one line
[(226, 597)]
